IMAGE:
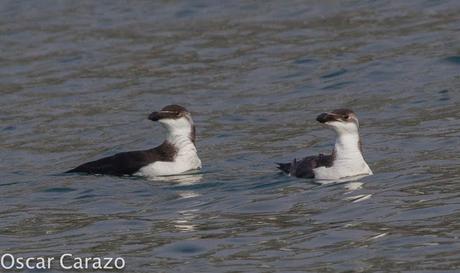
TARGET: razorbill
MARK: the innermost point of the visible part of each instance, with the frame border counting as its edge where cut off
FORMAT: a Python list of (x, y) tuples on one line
[(176, 155), (346, 159)]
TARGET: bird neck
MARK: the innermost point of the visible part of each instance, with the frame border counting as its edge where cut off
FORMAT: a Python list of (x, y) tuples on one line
[(182, 138), (348, 147)]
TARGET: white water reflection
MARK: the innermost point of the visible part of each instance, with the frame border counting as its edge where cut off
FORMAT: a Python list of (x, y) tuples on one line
[(185, 179), (180, 179), (358, 198), (185, 220), (352, 185), (341, 180)]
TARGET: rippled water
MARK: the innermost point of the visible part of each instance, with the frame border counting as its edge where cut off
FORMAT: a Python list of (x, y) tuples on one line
[(79, 78)]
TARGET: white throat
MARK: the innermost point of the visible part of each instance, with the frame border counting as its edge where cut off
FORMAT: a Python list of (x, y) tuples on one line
[(347, 147), (181, 136), (181, 139), (180, 131)]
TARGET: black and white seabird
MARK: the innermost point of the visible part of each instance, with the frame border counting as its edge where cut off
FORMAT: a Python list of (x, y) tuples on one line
[(176, 155), (346, 159)]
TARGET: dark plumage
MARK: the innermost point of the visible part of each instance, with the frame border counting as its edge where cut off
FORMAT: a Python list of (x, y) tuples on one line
[(127, 163), (304, 167)]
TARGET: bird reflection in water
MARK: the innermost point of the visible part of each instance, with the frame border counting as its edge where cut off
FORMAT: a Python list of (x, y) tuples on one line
[(186, 217), (351, 184)]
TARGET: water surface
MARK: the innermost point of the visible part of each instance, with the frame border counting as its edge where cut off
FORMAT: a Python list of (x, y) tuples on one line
[(78, 80)]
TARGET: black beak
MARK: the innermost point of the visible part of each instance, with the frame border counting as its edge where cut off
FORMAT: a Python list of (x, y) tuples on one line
[(325, 117), (154, 116)]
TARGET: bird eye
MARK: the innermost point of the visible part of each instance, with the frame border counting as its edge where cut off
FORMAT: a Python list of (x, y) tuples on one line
[(346, 117)]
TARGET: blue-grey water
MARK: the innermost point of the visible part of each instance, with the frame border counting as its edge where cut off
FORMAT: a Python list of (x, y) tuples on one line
[(78, 79)]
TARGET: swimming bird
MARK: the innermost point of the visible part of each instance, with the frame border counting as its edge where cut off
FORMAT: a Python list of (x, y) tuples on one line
[(177, 154), (346, 160)]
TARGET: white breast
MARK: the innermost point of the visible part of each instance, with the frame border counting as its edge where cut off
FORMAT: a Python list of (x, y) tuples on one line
[(185, 160)]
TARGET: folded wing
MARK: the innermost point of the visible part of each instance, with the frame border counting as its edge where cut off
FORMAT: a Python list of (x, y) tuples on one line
[(304, 168), (126, 163)]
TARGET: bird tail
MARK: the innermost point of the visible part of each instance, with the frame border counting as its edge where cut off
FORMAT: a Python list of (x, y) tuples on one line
[(74, 170), (285, 167)]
